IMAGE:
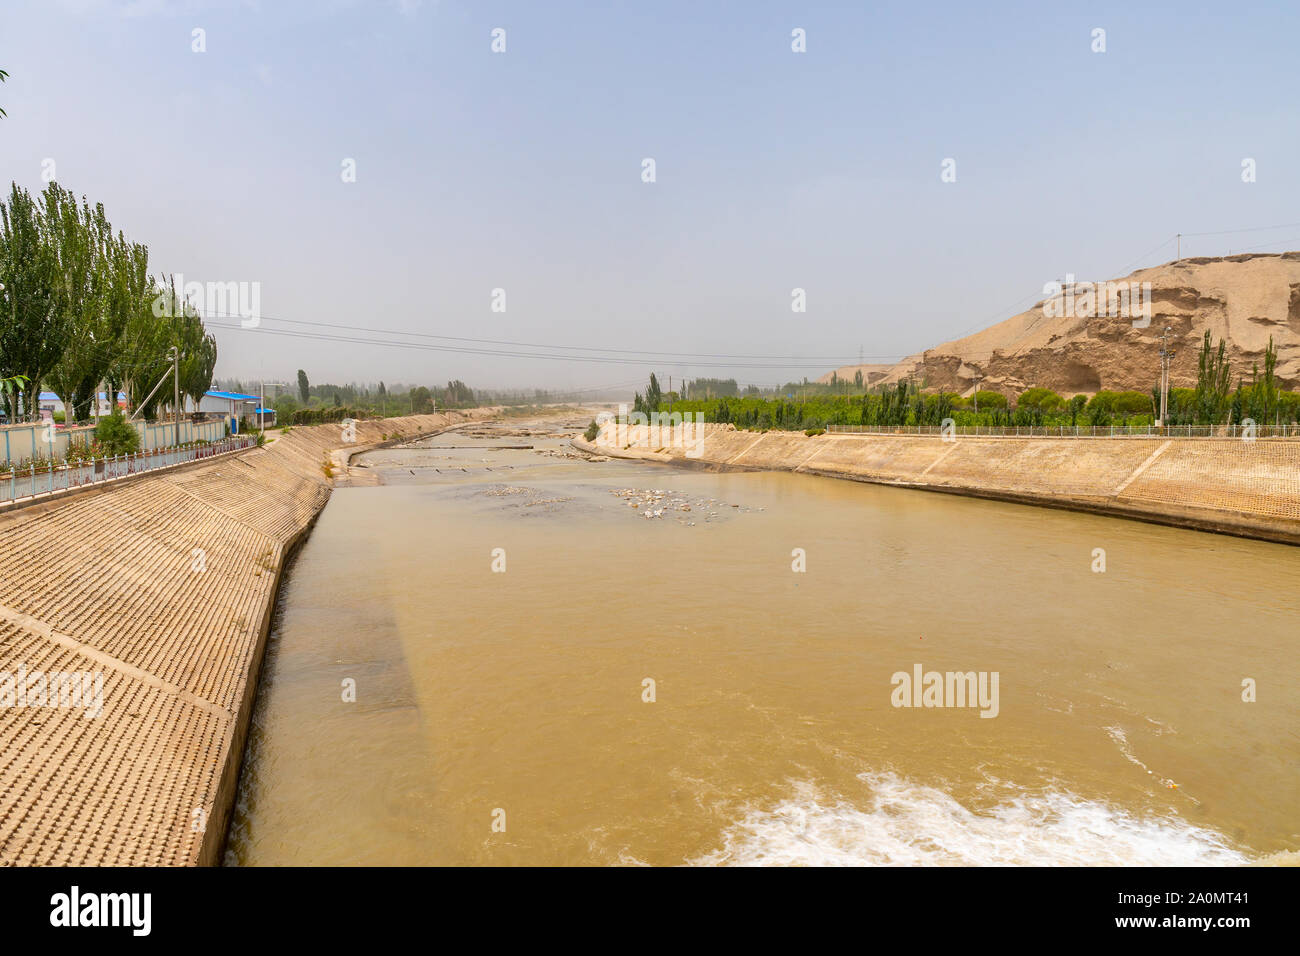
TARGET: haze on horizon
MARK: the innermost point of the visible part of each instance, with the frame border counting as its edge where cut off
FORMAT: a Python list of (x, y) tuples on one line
[(774, 170)]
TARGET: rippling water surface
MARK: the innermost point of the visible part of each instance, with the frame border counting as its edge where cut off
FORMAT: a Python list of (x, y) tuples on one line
[(517, 698)]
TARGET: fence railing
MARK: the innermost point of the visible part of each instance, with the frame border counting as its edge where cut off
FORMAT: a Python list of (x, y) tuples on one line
[(1078, 431), (44, 479), (27, 440)]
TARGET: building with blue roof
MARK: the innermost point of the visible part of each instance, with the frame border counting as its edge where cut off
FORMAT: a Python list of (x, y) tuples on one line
[(230, 405), (50, 402)]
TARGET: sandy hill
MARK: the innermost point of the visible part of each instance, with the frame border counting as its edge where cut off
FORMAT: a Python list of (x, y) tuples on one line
[(1243, 299), (871, 374)]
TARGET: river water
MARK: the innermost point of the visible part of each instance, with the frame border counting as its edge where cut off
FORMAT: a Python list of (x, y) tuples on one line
[(669, 689)]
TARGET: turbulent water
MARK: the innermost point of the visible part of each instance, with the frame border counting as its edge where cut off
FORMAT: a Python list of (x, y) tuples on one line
[(650, 681)]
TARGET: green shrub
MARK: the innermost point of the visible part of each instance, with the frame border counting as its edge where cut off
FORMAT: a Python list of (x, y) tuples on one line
[(1133, 403), (1041, 398), (321, 416), (1120, 403), (116, 436), (592, 431)]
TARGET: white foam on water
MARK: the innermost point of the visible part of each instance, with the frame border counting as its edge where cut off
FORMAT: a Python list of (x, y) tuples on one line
[(901, 823), (1121, 741)]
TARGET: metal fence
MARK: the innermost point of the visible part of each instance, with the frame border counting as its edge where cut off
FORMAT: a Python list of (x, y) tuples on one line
[(1077, 431), (46, 479)]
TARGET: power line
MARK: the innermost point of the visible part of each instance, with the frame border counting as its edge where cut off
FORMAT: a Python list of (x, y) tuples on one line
[(540, 345), (1123, 269), (421, 346), (1229, 232), (1267, 244), (606, 355)]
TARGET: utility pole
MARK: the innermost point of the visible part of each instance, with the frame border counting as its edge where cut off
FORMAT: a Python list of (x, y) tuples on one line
[(977, 392), (1180, 246), (261, 405), (1165, 356), (176, 394)]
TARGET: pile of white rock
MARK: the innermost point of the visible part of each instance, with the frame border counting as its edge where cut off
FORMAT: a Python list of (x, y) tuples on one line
[(656, 502)]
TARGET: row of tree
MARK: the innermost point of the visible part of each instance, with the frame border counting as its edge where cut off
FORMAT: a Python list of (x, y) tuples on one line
[(80, 313), (359, 400), (1213, 401)]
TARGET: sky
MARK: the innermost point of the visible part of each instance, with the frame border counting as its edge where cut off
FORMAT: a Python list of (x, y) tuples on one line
[(774, 170)]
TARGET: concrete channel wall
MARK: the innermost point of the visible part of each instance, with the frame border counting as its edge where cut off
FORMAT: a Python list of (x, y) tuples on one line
[(1248, 488), (164, 588)]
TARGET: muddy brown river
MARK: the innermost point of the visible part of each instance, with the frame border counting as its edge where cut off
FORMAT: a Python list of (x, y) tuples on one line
[(504, 656)]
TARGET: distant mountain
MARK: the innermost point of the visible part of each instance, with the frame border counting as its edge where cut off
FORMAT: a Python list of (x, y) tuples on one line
[(871, 374), (1243, 299)]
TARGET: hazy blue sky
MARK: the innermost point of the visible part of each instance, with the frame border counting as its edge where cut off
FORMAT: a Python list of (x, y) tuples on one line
[(775, 170)]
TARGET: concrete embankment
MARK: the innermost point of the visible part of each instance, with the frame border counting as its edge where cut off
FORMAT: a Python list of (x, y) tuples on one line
[(1248, 488), (160, 593)]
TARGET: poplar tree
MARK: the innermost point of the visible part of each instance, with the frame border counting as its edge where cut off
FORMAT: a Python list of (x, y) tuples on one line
[(32, 329), (1213, 381)]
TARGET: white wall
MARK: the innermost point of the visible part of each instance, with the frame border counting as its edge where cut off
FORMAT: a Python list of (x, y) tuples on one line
[(22, 442), (56, 405), (223, 406)]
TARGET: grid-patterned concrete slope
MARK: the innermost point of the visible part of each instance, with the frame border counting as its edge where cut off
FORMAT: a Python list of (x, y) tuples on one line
[(162, 591), (1257, 478), (1077, 467), (901, 460), (117, 789)]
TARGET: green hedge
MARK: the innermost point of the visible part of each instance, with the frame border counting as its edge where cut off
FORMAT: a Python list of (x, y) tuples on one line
[(321, 416)]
